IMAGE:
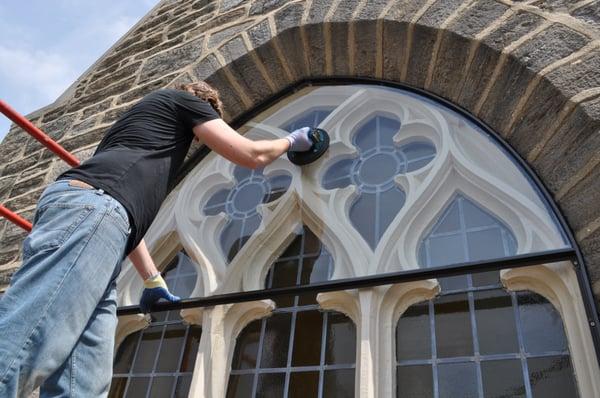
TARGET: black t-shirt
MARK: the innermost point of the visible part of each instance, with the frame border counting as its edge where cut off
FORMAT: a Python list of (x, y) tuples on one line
[(137, 160)]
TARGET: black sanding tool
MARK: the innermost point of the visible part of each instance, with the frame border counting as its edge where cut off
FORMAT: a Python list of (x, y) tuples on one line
[(320, 140)]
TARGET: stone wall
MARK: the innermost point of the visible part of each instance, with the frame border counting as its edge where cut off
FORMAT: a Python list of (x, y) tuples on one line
[(529, 69)]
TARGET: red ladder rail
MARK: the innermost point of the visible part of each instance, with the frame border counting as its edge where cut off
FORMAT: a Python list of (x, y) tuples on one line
[(48, 142)]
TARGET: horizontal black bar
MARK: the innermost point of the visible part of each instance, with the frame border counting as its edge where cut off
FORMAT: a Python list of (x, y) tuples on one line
[(522, 260)]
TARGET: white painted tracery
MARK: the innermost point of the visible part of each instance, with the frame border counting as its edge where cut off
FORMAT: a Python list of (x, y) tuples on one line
[(467, 162)]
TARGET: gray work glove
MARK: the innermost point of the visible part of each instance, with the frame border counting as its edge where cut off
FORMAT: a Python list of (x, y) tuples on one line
[(299, 140)]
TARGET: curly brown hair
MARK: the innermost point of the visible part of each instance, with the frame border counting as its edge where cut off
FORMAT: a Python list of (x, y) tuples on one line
[(205, 92)]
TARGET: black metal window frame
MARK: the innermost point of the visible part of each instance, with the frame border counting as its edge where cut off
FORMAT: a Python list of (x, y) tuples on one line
[(572, 253)]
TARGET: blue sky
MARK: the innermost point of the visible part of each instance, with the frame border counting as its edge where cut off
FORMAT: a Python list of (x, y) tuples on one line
[(45, 45)]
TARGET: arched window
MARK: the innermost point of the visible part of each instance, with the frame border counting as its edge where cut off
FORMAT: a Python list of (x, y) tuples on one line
[(299, 351), (476, 339), (159, 360)]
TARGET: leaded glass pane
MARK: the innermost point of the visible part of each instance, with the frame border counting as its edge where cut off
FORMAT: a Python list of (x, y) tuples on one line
[(496, 324), (542, 326), (457, 380), (413, 333), (414, 381), (290, 353), (503, 378), (159, 360)]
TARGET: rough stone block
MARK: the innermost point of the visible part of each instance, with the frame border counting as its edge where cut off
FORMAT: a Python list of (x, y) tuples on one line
[(101, 95), (572, 147), (339, 48), (6, 258), (590, 247), (83, 140), (318, 10), (206, 67), (219, 20), (541, 110), (171, 60), (477, 17), (112, 60), (589, 13), (13, 145), (27, 185), (272, 63), (372, 10), (224, 34), (25, 201), (153, 21), (404, 10), (365, 48), (289, 17), (6, 184), (231, 102), (233, 49), (96, 109), (316, 49), (227, 4), (198, 4), (451, 59), (115, 113), (18, 166), (395, 34), (262, 7), (344, 11), (58, 128), (247, 74), (551, 45), (291, 45), (419, 58), (508, 89), (85, 125), (52, 114), (139, 92), (581, 205), (578, 76), (438, 12), (164, 46), (260, 33), (123, 73)]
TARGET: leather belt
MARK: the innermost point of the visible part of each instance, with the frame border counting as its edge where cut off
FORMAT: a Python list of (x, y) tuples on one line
[(80, 184)]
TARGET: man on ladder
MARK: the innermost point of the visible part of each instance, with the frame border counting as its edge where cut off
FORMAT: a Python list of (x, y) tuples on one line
[(58, 317)]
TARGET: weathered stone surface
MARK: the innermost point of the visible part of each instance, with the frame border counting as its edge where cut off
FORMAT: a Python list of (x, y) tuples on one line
[(365, 48), (577, 76), (113, 59), (101, 95), (153, 22), (423, 41), (316, 49), (140, 91), (488, 52), (248, 76), (171, 60), (53, 113), (82, 140), (572, 147), (6, 184), (83, 126), (13, 237), (126, 72), (477, 17), (163, 46), (25, 201), (233, 49), (292, 50), (206, 67), (260, 33), (234, 107), (203, 3), (58, 128), (265, 6), (554, 5), (24, 186), (39, 168), (339, 48), (589, 13), (552, 44), (590, 247), (175, 30), (372, 10), (344, 11), (20, 165), (505, 94), (220, 20), (96, 109), (438, 12), (228, 4), (318, 10), (289, 17), (222, 35), (272, 63), (5, 258), (115, 113), (581, 205)]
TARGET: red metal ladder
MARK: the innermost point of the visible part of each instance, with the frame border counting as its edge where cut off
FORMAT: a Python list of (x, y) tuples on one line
[(48, 142)]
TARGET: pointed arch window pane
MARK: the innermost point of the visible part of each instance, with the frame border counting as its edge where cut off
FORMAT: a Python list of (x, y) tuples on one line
[(298, 343)]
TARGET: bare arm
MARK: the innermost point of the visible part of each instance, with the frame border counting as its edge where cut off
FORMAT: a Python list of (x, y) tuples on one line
[(143, 263), (227, 142)]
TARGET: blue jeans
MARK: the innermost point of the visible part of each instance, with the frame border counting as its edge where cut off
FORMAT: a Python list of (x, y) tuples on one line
[(58, 317)]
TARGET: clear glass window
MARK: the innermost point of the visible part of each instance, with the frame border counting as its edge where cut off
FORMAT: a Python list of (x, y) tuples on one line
[(299, 351), (159, 360)]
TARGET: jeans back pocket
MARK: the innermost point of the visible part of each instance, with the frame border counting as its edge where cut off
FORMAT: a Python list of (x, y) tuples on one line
[(54, 224)]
